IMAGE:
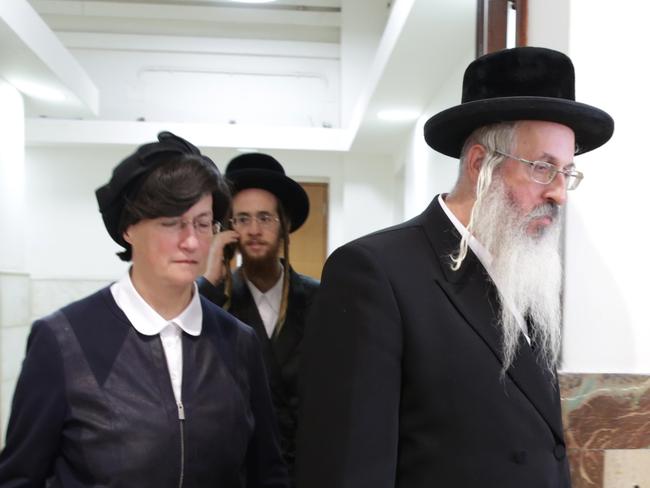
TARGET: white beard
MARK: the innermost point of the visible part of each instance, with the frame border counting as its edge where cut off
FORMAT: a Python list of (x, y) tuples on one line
[(527, 269)]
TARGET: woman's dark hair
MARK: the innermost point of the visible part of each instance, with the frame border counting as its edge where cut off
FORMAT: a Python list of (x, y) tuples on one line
[(172, 188)]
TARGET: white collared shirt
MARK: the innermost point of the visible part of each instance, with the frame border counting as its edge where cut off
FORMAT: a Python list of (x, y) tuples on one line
[(485, 258), (268, 304), (148, 322)]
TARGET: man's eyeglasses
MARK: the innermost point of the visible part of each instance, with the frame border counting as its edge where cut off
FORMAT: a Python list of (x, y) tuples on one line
[(203, 225), (263, 219), (544, 172)]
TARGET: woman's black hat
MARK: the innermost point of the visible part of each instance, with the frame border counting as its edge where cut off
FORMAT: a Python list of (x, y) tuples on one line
[(130, 173), (257, 170), (524, 83)]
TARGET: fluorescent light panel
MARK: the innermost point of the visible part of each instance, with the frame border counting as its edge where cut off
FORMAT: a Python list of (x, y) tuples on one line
[(398, 115), (252, 1)]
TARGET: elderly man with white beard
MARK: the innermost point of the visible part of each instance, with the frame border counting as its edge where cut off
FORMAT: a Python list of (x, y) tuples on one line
[(431, 350)]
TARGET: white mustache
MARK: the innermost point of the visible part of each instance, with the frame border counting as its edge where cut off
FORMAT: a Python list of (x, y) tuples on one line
[(545, 210)]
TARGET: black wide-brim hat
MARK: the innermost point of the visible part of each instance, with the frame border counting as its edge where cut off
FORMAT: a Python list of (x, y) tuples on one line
[(524, 83), (130, 173), (258, 170)]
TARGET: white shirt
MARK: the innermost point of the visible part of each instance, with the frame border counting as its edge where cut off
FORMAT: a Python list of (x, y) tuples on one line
[(485, 258), (148, 322), (268, 304)]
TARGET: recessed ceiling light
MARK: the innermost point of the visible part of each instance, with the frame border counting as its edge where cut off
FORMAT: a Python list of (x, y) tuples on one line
[(398, 115), (247, 150), (252, 1)]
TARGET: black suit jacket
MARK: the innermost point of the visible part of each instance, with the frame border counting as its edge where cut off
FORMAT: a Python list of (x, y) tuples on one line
[(401, 380), (282, 354)]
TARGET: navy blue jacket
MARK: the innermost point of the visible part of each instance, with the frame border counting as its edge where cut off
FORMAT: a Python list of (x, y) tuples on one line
[(94, 406)]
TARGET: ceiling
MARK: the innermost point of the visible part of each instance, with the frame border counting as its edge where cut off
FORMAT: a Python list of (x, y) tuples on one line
[(114, 62), (300, 20)]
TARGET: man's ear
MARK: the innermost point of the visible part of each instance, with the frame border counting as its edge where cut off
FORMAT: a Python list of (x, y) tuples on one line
[(126, 236), (474, 161)]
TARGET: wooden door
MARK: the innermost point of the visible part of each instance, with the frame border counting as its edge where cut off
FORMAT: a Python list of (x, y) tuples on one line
[(308, 245)]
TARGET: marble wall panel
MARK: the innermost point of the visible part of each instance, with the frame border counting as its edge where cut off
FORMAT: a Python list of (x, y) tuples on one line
[(6, 396), (607, 429), (22, 300), (14, 325), (12, 349), (586, 467), (14, 299)]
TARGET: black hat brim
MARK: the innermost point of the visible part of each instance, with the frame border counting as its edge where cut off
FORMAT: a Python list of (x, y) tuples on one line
[(447, 131), (293, 197)]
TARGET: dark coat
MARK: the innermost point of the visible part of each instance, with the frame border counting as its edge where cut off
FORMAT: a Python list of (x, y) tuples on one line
[(282, 353), (401, 381), (94, 406)]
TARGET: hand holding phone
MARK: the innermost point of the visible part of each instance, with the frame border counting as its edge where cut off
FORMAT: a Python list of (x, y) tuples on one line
[(221, 251)]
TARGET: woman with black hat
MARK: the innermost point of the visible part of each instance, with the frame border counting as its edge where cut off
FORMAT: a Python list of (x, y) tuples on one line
[(144, 383)]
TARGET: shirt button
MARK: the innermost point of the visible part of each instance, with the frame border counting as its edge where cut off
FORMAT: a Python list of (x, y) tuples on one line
[(559, 452)]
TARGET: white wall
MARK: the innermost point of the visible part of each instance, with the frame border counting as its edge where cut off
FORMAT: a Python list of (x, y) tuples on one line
[(549, 23), (14, 282), (427, 172), (368, 195), (607, 328), (362, 25), (70, 242), (607, 321), (12, 178)]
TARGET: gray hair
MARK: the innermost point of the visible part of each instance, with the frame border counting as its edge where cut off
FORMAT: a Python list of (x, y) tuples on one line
[(499, 136)]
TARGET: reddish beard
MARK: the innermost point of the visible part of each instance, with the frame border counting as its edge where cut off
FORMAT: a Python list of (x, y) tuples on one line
[(263, 260)]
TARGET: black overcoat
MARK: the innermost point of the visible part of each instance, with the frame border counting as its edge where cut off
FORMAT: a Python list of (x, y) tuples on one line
[(401, 382), (282, 353)]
